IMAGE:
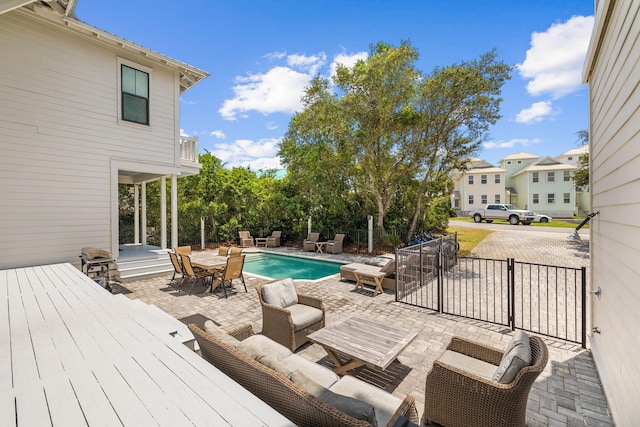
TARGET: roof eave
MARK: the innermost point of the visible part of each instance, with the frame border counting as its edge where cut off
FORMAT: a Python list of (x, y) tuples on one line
[(189, 75)]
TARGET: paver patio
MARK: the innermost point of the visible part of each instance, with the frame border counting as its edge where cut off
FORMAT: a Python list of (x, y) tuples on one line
[(568, 392)]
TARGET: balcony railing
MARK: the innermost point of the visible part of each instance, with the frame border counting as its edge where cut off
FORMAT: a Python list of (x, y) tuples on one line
[(189, 150)]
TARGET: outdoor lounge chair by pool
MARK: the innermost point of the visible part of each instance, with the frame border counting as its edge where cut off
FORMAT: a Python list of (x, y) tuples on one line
[(309, 244), (334, 246), (246, 240), (274, 239)]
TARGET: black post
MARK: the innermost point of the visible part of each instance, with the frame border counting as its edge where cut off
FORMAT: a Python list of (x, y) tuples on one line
[(511, 286)]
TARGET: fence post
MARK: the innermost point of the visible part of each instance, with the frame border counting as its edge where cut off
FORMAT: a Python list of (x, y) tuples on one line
[(511, 286), (440, 277), (584, 307)]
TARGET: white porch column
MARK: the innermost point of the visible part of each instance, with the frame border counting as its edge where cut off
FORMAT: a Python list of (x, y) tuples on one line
[(163, 213), (136, 215), (143, 220), (174, 211)]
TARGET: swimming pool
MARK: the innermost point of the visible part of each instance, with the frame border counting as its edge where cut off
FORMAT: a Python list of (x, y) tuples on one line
[(277, 266)]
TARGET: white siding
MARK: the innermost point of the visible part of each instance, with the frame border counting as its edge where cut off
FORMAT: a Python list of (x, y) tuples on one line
[(58, 135), (615, 191)]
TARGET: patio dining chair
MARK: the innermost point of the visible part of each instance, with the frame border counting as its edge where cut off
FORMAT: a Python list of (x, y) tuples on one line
[(191, 274), (235, 251), (177, 270), (223, 251), (232, 270)]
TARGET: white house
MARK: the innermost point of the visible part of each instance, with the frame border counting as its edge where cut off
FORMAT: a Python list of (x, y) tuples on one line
[(545, 186), (82, 110), (572, 157), (480, 184), (612, 70)]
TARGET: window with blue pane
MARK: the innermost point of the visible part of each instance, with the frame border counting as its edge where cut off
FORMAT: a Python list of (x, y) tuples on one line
[(135, 95)]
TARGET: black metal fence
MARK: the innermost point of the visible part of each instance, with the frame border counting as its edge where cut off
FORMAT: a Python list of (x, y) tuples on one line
[(544, 299)]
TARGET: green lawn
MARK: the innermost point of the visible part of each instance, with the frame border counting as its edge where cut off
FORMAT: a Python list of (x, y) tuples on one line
[(557, 223)]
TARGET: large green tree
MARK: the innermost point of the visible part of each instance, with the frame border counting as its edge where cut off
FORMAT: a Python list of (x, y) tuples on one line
[(389, 125)]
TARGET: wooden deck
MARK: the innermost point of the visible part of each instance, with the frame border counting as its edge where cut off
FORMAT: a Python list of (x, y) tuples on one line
[(73, 354)]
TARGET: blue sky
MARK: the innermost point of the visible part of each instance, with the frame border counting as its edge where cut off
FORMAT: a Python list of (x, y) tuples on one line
[(261, 54)]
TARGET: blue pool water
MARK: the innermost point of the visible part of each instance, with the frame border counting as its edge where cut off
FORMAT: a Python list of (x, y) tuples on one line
[(277, 266)]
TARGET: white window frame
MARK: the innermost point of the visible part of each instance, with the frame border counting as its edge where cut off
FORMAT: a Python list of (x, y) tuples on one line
[(566, 197), (497, 179), (470, 180), (484, 199), (551, 198), (471, 199), (535, 198), (551, 177), (483, 179)]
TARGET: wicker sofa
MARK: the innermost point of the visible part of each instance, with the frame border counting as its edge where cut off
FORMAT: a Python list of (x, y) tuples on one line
[(305, 392)]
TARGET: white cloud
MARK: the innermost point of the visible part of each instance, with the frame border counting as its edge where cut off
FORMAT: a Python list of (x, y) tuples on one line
[(348, 60), (536, 113), (277, 91), (262, 154), (272, 126), (554, 62), (310, 64), (511, 143), (218, 134), (183, 133)]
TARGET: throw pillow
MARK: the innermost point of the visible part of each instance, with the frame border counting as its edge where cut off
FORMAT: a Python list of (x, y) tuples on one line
[(517, 355), (281, 293), (271, 362), (356, 408), (212, 329)]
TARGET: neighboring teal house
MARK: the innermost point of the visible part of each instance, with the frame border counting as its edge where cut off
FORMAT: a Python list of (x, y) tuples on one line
[(545, 186)]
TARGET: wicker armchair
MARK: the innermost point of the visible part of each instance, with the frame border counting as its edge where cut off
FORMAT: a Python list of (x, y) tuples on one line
[(279, 325), (454, 397), (309, 244)]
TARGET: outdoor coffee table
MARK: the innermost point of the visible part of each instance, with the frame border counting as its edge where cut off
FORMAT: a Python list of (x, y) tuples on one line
[(363, 341), (261, 241)]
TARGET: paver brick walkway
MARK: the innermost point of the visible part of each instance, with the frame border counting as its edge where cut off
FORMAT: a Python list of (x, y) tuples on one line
[(567, 393)]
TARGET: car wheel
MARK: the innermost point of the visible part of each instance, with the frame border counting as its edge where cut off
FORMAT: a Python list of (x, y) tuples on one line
[(544, 219), (477, 218), (514, 220)]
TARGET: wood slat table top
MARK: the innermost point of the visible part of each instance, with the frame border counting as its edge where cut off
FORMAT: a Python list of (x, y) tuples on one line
[(374, 343), (73, 354)]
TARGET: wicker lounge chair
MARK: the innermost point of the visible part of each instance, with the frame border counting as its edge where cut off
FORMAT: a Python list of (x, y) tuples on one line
[(454, 396), (274, 239), (309, 244), (334, 246), (288, 317), (246, 241)]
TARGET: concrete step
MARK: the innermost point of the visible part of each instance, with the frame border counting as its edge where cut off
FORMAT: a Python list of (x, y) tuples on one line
[(144, 267)]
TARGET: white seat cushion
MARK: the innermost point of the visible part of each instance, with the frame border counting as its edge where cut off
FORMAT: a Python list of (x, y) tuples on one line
[(468, 364), (385, 404), (314, 371), (304, 315), (256, 345)]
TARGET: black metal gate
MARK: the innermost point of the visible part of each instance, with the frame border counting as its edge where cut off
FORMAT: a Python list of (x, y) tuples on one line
[(544, 299)]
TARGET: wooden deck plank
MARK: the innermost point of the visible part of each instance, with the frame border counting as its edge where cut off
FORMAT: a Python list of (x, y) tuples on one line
[(81, 356)]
